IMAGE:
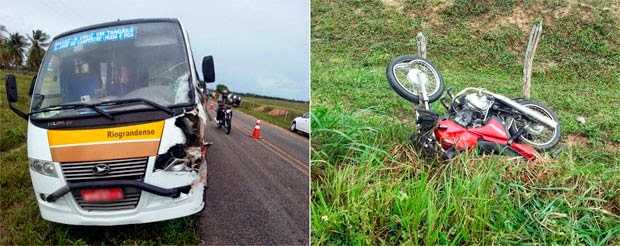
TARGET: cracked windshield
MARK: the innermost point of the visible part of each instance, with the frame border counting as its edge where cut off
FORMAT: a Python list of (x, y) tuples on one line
[(145, 61)]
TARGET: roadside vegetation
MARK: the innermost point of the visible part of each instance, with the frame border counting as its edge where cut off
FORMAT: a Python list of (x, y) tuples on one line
[(14, 47), (279, 112), (370, 187)]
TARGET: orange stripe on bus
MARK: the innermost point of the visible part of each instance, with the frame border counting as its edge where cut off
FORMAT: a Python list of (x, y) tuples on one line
[(99, 152)]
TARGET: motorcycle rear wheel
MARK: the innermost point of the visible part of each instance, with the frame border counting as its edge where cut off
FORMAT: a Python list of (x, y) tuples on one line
[(540, 137), (397, 71)]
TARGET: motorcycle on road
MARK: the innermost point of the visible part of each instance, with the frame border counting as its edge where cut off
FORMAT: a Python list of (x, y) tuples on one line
[(225, 113)]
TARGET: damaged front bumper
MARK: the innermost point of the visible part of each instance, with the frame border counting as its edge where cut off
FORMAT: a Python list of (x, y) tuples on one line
[(172, 192), (164, 197)]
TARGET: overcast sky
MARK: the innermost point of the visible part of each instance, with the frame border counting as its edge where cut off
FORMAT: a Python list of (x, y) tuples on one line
[(260, 47)]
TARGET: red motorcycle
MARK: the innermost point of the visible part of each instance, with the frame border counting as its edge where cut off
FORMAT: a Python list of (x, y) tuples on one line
[(476, 118)]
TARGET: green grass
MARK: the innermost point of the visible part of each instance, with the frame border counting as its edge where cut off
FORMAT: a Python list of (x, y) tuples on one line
[(370, 187), (21, 221), (252, 106)]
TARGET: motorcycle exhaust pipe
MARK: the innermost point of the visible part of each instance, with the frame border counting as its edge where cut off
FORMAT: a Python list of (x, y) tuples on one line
[(525, 110)]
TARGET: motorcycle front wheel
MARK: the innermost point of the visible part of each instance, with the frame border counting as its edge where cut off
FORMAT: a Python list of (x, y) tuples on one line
[(398, 69), (228, 126), (539, 136)]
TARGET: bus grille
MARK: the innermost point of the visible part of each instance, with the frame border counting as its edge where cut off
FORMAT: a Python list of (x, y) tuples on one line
[(127, 169)]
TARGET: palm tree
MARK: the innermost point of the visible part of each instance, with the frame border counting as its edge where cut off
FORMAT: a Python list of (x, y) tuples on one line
[(2, 30), (37, 51), (3, 48), (16, 46)]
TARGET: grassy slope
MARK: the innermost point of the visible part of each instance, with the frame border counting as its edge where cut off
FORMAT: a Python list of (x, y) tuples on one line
[(21, 222), (369, 186)]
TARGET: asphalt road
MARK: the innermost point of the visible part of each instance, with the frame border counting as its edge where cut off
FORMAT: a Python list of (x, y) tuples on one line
[(258, 188)]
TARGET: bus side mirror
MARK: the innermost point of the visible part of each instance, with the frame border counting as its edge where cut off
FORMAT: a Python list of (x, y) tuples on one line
[(208, 69), (11, 95), (11, 88)]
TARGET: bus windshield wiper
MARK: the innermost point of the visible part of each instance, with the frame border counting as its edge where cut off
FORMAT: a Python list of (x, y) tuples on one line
[(95, 106), (76, 106), (136, 100)]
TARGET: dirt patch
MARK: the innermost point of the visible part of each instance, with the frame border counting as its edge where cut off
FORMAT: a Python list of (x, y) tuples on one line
[(434, 18), (22, 146), (278, 112), (261, 108), (612, 147), (581, 141), (532, 172), (521, 17), (396, 4), (576, 140), (614, 8)]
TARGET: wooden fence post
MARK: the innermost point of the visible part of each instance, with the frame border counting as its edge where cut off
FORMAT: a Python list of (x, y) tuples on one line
[(529, 58), (421, 41)]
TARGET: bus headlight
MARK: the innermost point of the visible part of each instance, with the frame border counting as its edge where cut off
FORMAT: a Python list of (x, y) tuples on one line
[(47, 168), (37, 166)]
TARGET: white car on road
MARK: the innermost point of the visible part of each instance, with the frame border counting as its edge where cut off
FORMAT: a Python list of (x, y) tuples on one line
[(301, 123)]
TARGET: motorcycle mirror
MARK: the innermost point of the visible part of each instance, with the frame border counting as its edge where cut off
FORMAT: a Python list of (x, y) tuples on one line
[(443, 102), (449, 91)]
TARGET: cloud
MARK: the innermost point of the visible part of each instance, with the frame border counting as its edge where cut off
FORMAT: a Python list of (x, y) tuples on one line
[(277, 85), (277, 81)]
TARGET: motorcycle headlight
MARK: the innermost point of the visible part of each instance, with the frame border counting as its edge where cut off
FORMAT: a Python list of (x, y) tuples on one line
[(47, 168)]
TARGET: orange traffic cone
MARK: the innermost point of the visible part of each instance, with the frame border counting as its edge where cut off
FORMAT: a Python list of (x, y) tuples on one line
[(211, 106), (256, 133)]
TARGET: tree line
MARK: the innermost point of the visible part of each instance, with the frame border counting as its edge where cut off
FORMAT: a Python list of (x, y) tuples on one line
[(14, 47), (220, 87), (246, 94)]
